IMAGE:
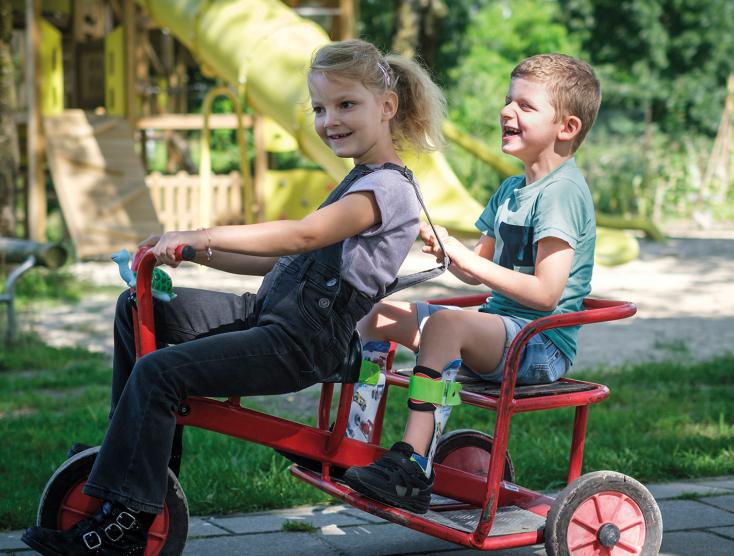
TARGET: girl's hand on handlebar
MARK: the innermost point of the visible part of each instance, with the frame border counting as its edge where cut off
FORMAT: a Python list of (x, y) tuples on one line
[(150, 241), (165, 248)]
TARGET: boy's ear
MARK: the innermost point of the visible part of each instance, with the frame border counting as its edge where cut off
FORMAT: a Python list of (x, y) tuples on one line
[(571, 128), (389, 105)]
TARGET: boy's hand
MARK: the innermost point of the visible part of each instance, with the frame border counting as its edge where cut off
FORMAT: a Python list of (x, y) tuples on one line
[(427, 235)]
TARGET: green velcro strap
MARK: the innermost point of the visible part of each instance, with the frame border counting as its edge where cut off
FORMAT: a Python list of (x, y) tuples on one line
[(434, 391), (369, 372)]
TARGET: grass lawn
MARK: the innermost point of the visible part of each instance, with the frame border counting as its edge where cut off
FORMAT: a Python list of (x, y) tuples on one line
[(662, 422)]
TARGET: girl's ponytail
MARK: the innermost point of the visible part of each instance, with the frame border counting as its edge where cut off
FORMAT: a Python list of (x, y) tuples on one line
[(421, 104)]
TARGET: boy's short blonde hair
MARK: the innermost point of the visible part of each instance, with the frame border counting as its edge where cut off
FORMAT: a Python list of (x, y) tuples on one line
[(572, 87)]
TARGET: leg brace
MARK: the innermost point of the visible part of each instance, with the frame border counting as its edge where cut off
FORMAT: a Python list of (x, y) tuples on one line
[(368, 391), (437, 393)]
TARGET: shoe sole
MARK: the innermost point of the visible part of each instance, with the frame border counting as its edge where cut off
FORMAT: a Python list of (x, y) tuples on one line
[(419, 506), (38, 547)]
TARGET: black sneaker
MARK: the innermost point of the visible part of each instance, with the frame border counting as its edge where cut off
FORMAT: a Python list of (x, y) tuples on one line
[(394, 479), (113, 531)]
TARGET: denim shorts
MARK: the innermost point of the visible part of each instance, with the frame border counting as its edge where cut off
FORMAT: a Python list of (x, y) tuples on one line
[(541, 361)]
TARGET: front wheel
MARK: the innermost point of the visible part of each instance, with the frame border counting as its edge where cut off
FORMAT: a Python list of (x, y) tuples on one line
[(604, 514), (63, 504)]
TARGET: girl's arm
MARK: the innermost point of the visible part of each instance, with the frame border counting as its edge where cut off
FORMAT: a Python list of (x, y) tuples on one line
[(228, 262), (540, 291), (237, 263), (349, 216)]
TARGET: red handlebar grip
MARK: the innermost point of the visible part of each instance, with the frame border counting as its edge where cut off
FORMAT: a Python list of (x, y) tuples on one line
[(185, 253)]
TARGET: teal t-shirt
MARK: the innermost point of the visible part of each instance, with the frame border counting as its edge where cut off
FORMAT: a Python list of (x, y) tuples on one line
[(519, 215)]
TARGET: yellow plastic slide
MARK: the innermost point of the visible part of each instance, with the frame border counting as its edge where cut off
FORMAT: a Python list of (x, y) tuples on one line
[(267, 47)]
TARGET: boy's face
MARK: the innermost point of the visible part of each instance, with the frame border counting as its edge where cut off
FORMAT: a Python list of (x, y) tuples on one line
[(529, 131)]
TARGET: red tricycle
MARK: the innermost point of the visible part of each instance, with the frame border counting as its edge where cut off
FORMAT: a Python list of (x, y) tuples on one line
[(476, 502)]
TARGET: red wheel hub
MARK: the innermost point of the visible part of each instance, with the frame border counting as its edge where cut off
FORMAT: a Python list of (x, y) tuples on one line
[(591, 523)]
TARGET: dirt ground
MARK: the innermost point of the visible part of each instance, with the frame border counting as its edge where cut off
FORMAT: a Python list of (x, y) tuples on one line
[(683, 288)]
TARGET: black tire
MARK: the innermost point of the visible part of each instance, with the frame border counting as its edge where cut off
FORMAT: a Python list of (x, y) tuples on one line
[(62, 504), (470, 450), (587, 515)]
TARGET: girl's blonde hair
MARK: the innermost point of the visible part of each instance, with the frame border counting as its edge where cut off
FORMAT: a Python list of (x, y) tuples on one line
[(421, 104)]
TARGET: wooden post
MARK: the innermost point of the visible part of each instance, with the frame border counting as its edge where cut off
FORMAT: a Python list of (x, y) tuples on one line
[(261, 167), (131, 100), (36, 216), (346, 19)]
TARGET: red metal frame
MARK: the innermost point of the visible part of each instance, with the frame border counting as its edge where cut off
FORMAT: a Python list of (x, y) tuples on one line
[(333, 449)]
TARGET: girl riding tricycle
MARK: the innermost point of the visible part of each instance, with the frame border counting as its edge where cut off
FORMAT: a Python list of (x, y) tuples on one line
[(172, 359)]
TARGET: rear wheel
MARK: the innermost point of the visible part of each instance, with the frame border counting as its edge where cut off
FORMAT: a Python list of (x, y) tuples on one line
[(470, 451), (63, 504), (604, 514)]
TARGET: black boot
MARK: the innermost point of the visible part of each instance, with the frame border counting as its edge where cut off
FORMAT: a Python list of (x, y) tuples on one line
[(114, 531)]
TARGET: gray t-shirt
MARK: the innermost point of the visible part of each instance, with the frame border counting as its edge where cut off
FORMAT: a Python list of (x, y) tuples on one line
[(371, 260)]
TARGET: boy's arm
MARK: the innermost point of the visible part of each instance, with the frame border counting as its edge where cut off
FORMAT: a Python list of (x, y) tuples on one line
[(483, 248), (540, 291)]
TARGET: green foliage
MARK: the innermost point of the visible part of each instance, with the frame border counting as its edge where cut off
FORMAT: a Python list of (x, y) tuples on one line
[(668, 57), (661, 177), (42, 283), (498, 37)]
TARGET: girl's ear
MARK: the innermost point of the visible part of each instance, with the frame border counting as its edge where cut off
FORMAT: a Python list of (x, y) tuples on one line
[(389, 105), (570, 129)]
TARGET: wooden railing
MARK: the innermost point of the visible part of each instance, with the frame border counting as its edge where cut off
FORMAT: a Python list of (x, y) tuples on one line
[(176, 199)]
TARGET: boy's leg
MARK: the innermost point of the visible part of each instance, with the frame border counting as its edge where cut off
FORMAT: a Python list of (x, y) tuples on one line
[(477, 339), (403, 477)]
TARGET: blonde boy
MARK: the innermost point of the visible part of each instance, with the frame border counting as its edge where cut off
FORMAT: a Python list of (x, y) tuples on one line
[(536, 253)]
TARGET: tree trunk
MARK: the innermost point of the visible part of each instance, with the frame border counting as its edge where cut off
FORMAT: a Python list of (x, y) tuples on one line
[(8, 134), (417, 28)]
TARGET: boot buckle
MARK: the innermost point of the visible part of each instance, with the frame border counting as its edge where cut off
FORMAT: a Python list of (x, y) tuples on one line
[(92, 540), (114, 532), (125, 520)]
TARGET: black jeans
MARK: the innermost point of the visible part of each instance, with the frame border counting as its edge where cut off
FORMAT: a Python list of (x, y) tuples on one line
[(219, 351)]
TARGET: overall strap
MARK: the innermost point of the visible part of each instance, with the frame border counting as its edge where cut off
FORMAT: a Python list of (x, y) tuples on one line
[(409, 280)]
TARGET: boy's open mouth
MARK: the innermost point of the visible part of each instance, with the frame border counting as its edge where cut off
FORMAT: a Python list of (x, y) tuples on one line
[(510, 131)]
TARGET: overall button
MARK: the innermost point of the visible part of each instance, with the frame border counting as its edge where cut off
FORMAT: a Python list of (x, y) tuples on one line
[(324, 303), (331, 282)]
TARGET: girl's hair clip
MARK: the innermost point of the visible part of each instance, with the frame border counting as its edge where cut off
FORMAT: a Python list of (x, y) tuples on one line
[(385, 74)]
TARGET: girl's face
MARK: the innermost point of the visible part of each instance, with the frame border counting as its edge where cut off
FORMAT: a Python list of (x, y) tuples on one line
[(352, 120)]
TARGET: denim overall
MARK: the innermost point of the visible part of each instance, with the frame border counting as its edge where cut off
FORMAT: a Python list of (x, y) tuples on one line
[(295, 332)]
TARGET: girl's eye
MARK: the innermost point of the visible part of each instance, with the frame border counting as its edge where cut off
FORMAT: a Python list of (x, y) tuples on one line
[(347, 104), (317, 109)]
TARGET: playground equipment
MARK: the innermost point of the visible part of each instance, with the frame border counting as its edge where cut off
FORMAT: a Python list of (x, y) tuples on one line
[(265, 48), (476, 502), (26, 254)]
